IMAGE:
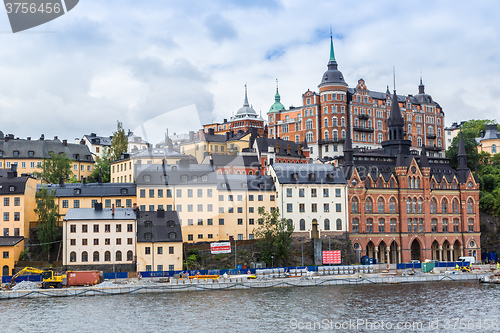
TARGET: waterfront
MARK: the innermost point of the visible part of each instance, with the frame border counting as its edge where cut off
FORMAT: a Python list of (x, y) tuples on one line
[(257, 310)]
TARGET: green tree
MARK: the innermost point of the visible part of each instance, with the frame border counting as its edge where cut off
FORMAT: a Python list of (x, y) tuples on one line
[(47, 212), (276, 237), (55, 167), (119, 142), (102, 165)]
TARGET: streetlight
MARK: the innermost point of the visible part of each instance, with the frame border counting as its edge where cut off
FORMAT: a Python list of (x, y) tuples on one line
[(302, 239), (272, 258)]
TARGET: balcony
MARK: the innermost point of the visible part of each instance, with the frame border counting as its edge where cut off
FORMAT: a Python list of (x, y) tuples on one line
[(333, 140), (433, 148), (431, 136), (363, 129), (363, 117)]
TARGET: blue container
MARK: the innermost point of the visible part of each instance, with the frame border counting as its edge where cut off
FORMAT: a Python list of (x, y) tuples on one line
[(492, 256), (373, 261)]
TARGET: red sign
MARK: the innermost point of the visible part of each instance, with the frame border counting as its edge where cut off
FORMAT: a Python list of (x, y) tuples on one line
[(332, 257), (222, 247)]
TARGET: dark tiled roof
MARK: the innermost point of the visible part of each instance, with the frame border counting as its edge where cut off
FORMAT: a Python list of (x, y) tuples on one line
[(19, 184), (308, 174), (164, 228), (91, 190), (99, 140), (43, 148), (104, 214), (263, 145), (235, 160), (175, 174), (10, 240), (245, 182)]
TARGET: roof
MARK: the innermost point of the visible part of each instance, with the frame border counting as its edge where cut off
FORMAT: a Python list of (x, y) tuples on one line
[(42, 149), (289, 173), (175, 174), (19, 184), (91, 214), (98, 140), (263, 145), (220, 160), (245, 183), (10, 240), (163, 226), (91, 189), (246, 109)]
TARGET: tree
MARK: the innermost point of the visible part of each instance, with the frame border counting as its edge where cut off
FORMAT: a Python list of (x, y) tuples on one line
[(55, 167), (119, 142), (275, 234), (103, 166), (47, 212)]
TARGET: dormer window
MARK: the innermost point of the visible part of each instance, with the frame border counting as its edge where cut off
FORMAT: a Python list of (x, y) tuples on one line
[(31, 153), (147, 178), (295, 176), (184, 178), (15, 153), (330, 177), (78, 191), (12, 188), (148, 224), (312, 176), (204, 178), (172, 235), (194, 179), (148, 235), (170, 224), (223, 185), (124, 191)]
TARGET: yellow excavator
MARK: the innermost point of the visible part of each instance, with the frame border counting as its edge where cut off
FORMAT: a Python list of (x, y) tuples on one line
[(49, 279)]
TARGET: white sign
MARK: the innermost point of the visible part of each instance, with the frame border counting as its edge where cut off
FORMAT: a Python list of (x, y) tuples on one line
[(222, 247)]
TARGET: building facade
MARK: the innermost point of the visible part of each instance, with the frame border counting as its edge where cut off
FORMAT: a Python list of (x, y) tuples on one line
[(323, 118), (490, 140), (313, 197), (405, 205)]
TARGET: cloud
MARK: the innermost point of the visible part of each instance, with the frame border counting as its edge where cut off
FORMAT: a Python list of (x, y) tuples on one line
[(219, 28)]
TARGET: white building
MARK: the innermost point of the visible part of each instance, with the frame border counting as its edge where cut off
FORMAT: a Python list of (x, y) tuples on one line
[(312, 196), (96, 144), (97, 238)]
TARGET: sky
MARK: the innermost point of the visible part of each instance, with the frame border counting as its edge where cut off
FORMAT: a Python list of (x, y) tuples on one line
[(179, 64)]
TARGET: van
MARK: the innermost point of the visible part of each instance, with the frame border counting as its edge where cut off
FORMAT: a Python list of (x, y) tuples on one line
[(470, 260)]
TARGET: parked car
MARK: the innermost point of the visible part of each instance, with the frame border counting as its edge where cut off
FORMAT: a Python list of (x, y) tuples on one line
[(415, 261)]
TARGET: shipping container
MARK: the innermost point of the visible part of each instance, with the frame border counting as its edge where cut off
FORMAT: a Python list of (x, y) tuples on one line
[(83, 278)]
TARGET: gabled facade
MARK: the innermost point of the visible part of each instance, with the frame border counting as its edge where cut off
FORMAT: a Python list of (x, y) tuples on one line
[(490, 140)]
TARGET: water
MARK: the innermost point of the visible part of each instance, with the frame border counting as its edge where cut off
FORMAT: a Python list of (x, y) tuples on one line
[(264, 310)]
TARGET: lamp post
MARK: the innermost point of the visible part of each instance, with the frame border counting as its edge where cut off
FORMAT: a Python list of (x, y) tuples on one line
[(302, 239), (235, 265), (272, 261)]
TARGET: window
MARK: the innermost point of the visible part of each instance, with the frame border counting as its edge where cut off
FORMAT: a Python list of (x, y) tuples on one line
[(455, 225), (470, 206), (129, 241), (471, 225), (355, 205), (130, 256), (260, 197), (392, 206), (434, 225), (118, 241), (355, 225), (6, 232), (221, 221), (313, 192), (301, 192), (444, 206), (96, 256), (96, 227), (445, 225), (327, 224), (17, 201), (393, 225), (107, 228), (76, 203), (147, 250), (326, 208), (130, 227), (380, 205), (314, 208), (85, 256), (289, 208), (16, 231), (302, 224), (72, 228), (107, 256), (369, 225), (433, 206), (369, 205), (338, 208)]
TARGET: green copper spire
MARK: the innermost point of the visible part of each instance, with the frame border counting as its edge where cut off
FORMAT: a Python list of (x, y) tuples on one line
[(277, 106), (332, 54)]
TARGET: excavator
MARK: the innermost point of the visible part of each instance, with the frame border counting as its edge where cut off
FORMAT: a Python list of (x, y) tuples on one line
[(49, 279)]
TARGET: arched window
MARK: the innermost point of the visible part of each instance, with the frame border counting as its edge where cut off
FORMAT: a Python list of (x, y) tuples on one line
[(107, 256), (417, 182), (327, 224), (420, 206), (334, 122), (408, 206), (414, 207), (470, 206), (419, 142), (72, 256), (339, 224), (85, 256), (335, 135), (493, 148), (419, 130), (325, 136), (302, 224), (325, 121), (118, 256), (455, 206), (355, 205), (130, 255), (369, 205), (410, 182), (433, 206), (380, 205), (380, 183), (444, 206), (430, 130), (392, 206), (355, 225), (380, 137), (96, 256)]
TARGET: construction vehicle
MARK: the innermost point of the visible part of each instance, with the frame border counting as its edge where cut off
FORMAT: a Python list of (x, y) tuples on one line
[(49, 279)]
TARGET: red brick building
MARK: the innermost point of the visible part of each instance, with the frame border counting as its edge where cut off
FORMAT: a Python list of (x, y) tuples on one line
[(405, 205)]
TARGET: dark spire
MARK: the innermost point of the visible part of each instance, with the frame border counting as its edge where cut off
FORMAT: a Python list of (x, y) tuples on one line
[(396, 122), (421, 87), (348, 152), (424, 161), (462, 155), (245, 103)]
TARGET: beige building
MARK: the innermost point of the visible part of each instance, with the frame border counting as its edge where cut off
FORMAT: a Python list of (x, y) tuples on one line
[(29, 154), (123, 170), (490, 140), (313, 197), (11, 248), (159, 241), (100, 238), (211, 207)]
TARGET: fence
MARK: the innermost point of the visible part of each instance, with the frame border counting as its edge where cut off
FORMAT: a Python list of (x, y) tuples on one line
[(439, 264)]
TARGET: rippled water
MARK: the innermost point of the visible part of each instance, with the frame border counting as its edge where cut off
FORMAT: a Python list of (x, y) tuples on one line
[(262, 310)]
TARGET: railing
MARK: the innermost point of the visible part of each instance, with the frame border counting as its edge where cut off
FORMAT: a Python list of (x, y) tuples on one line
[(363, 129)]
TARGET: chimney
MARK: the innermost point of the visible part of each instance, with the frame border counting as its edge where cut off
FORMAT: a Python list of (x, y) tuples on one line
[(28, 138), (113, 209), (211, 131), (161, 213), (61, 181), (42, 137), (134, 206), (82, 142), (55, 137), (84, 180), (65, 142), (191, 135)]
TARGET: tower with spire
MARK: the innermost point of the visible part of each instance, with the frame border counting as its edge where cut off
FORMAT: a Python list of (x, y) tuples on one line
[(396, 129), (277, 106)]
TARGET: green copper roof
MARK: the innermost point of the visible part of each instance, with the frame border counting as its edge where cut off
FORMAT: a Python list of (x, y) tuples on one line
[(332, 54), (277, 106)]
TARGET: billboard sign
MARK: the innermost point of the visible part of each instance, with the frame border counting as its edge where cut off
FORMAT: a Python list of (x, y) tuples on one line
[(222, 247), (332, 257)]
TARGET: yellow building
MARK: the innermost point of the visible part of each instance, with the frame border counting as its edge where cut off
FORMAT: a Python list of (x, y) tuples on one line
[(123, 170), (83, 195), (490, 140), (159, 241), (11, 248), (211, 207), (100, 238), (29, 154), (210, 143), (17, 204)]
